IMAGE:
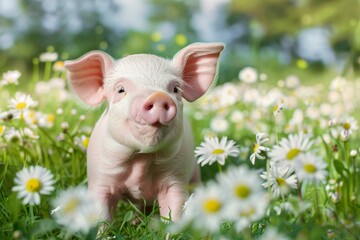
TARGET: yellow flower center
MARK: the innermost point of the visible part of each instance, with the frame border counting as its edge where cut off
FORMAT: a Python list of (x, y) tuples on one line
[(71, 205), (280, 181), (242, 191), (310, 168), (292, 153), (33, 185), (256, 147), (218, 151), (59, 64), (276, 107), (51, 118), (212, 205), (346, 126), (20, 105), (1, 129), (248, 212), (85, 142)]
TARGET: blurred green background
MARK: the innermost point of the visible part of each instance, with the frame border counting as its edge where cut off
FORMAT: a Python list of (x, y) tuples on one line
[(274, 36)]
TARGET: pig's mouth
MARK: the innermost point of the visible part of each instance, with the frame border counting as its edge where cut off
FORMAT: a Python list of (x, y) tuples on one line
[(142, 125), (148, 132)]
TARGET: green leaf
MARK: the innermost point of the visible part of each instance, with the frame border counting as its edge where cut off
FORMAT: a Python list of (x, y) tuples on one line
[(92, 234), (128, 216), (340, 168), (43, 226)]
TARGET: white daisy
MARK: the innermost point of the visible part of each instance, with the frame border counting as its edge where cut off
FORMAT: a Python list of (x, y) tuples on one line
[(353, 152), (228, 94), (21, 103), (246, 200), (10, 77), (289, 149), (206, 208), (13, 135), (212, 150), (258, 149), (59, 66), (280, 178), (76, 209), (27, 132), (248, 75), (46, 120), (236, 116), (338, 84), (254, 211), (344, 135), (273, 234), (348, 124), (33, 181), (48, 57), (279, 107), (219, 124), (310, 168), (292, 82), (241, 186), (31, 117), (82, 141)]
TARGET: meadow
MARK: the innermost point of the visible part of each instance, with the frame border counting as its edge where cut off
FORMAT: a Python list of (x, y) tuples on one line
[(279, 157)]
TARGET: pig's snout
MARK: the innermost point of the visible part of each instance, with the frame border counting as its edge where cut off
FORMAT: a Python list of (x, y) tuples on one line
[(158, 108)]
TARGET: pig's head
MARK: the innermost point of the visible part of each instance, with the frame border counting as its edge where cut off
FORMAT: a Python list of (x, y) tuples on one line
[(145, 91)]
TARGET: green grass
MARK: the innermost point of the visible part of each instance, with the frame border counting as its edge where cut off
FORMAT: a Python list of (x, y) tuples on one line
[(67, 161)]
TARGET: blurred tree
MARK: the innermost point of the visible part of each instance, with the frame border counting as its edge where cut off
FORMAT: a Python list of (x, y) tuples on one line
[(258, 30), (269, 21)]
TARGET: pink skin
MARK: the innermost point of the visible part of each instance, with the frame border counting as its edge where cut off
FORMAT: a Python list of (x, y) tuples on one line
[(158, 108), (142, 147)]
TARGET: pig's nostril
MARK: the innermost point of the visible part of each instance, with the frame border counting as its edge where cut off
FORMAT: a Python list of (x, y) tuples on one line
[(166, 106), (149, 107)]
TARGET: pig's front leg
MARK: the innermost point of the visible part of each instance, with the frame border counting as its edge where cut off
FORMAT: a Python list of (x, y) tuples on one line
[(106, 200), (171, 200)]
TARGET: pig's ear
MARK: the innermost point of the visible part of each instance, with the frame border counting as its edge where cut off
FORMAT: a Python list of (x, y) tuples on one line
[(87, 75), (198, 63)]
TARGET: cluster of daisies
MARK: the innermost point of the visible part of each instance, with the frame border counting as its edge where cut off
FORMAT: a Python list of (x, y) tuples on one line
[(75, 208), (298, 158), (20, 119), (236, 197), (239, 195), (247, 102)]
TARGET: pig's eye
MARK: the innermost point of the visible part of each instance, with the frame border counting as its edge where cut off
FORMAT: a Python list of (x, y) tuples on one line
[(121, 90), (176, 89)]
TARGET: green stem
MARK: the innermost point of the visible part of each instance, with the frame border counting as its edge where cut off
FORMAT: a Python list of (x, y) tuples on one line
[(47, 70), (348, 182), (268, 175), (32, 216), (276, 133), (355, 180), (219, 168), (35, 76), (347, 154)]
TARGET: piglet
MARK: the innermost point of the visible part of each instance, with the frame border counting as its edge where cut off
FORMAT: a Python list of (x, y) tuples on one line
[(141, 148)]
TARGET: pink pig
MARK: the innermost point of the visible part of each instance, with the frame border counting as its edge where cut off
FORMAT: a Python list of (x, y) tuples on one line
[(142, 146)]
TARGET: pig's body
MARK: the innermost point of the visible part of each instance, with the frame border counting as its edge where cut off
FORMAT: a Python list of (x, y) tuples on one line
[(142, 148), (116, 171)]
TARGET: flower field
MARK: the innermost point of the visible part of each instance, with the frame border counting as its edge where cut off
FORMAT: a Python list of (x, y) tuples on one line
[(279, 160)]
